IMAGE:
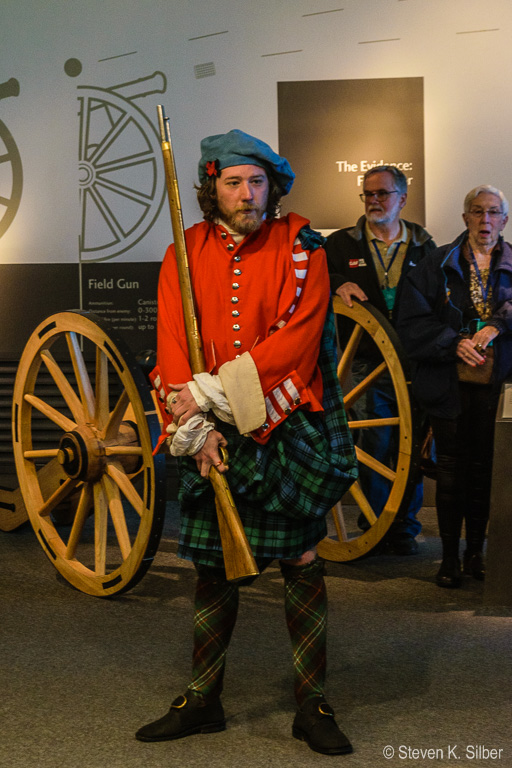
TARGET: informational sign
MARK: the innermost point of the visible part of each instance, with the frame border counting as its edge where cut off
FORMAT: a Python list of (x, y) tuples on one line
[(333, 131), (124, 295)]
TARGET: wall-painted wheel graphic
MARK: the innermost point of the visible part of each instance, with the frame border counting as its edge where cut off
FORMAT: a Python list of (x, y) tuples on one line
[(11, 172), (121, 186)]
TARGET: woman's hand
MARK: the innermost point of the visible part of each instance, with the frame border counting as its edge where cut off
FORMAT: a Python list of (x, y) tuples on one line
[(209, 455), (484, 336), (472, 351), (182, 404)]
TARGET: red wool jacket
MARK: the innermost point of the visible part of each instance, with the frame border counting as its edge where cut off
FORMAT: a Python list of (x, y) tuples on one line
[(265, 296)]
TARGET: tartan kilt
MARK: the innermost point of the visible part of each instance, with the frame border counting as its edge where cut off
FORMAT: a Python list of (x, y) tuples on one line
[(284, 489)]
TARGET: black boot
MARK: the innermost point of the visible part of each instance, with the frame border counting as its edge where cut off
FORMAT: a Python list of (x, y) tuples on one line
[(449, 574), (474, 564), (449, 501), (188, 714), (314, 723), (476, 522)]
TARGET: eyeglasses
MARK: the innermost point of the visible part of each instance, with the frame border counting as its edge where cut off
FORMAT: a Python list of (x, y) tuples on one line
[(494, 213), (380, 194)]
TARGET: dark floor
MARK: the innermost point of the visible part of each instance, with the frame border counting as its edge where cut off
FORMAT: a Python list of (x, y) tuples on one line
[(411, 666)]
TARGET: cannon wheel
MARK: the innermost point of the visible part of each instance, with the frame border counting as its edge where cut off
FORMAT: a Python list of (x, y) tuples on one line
[(349, 542), (91, 439)]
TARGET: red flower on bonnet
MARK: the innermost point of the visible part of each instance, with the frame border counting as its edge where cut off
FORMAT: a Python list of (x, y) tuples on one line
[(212, 167)]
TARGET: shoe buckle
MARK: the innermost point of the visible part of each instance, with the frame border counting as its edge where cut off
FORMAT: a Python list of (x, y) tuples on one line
[(325, 709), (180, 702)]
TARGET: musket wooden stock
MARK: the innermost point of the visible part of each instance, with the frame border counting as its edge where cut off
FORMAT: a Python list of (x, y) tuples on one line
[(238, 558)]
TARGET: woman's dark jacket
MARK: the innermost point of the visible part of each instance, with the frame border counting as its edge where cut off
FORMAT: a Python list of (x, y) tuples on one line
[(435, 308)]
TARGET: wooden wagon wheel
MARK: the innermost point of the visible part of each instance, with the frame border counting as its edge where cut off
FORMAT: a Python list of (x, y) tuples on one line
[(88, 440), (350, 542)]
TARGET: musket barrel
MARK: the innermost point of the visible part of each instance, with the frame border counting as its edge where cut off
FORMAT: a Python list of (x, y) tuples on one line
[(239, 561)]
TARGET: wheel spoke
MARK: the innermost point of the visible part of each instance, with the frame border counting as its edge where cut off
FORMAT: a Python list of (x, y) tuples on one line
[(100, 529), (108, 139), (114, 422), (102, 389), (82, 377), (339, 522), (44, 453), (348, 355), (372, 463), (117, 474), (115, 506), (65, 388), (362, 502), (123, 450), (392, 421), (359, 390), (51, 413), (58, 496), (84, 506)]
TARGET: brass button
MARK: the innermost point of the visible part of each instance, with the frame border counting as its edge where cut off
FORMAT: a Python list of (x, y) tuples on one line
[(223, 235), (237, 271), (235, 286), (235, 313), (237, 344), (236, 327), (236, 356), (237, 258), (230, 247), (234, 299), (265, 426), (297, 401), (287, 411)]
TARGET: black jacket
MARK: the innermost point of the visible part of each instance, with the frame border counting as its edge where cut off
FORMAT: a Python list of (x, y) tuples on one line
[(435, 308), (349, 259)]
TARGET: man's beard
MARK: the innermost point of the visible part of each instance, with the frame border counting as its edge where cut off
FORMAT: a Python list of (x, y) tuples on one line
[(241, 222)]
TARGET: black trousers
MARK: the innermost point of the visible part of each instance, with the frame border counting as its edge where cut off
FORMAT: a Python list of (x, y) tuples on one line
[(464, 451)]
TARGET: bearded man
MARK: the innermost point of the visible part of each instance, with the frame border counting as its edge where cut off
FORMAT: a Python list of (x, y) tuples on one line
[(368, 262), (262, 294)]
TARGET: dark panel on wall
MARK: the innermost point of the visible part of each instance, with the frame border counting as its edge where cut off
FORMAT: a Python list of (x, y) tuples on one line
[(29, 293), (331, 131)]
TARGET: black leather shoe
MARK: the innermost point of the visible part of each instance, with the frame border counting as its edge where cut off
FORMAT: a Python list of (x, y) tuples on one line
[(315, 724), (474, 565), (187, 715), (449, 574), (403, 544)]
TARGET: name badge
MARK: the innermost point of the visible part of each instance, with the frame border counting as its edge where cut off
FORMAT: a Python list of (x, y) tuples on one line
[(353, 263)]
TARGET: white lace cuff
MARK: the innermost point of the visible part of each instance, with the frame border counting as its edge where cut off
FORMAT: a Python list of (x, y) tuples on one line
[(209, 394), (189, 438)]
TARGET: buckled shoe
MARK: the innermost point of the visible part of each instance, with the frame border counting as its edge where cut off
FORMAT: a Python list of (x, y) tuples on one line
[(188, 715), (314, 723)]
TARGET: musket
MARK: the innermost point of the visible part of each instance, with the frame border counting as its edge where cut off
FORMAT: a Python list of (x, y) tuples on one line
[(239, 561)]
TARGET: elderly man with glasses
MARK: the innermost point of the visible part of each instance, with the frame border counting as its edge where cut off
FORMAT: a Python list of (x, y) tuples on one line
[(368, 262)]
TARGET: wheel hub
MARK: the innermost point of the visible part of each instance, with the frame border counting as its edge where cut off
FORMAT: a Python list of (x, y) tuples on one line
[(81, 455)]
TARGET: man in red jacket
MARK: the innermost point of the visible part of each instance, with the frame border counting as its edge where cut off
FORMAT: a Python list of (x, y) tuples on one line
[(262, 295)]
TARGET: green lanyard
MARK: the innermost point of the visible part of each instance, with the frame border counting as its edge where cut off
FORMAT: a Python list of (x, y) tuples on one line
[(388, 292)]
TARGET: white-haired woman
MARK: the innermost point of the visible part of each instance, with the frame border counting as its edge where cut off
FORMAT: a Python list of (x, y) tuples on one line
[(455, 321)]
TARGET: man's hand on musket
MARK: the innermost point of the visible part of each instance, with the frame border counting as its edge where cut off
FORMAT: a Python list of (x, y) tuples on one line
[(182, 403), (209, 455)]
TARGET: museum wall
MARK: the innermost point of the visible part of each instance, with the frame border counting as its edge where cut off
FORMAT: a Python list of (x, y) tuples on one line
[(80, 172)]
